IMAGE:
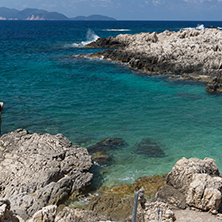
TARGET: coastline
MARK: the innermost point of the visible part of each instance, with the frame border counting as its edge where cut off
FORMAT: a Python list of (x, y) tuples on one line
[(188, 54), (192, 189)]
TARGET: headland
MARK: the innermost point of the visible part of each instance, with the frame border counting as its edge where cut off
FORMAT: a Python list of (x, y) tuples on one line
[(186, 54)]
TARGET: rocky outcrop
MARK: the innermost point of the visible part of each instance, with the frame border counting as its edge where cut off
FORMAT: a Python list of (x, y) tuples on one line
[(78, 215), (191, 54), (154, 211), (198, 184), (50, 214), (5, 212), (41, 169)]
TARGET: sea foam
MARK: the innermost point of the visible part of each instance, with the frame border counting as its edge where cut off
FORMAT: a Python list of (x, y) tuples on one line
[(90, 37)]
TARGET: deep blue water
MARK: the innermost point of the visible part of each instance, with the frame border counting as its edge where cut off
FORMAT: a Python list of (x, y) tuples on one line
[(46, 88)]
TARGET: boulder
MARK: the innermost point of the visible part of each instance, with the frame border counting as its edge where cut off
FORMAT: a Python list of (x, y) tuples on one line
[(200, 182), (171, 196), (154, 211), (41, 169), (79, 215), (205, 192), (6, 215), (181, 174), (46, 214)]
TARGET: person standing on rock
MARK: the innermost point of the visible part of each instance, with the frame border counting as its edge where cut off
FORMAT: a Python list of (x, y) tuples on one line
[(1, 109)]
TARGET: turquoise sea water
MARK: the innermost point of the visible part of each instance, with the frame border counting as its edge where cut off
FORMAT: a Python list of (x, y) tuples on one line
[(46, 88)]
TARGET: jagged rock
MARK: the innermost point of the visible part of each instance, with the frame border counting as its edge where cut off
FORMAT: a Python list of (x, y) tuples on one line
[(6, 215), (215, 85), (181, 174), (41, 169), (46, 214), (205, 192), (171, 196), (186, 52), (154, 211), (78, 215), (200, 181)]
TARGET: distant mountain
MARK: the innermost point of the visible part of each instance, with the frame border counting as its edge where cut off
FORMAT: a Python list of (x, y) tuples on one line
[(94, 18), (30, 14), (37, 14)]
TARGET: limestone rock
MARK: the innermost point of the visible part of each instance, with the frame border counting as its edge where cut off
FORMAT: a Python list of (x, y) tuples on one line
[(46, 214), (205, 192), (200, 181), (181, 174), (40, 169), (6, 215), (186, 52), (154, 211), (171, 196), (78, 215)]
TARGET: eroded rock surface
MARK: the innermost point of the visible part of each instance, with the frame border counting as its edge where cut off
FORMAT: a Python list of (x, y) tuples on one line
[(192, 54), (199, 181), (40, 169)]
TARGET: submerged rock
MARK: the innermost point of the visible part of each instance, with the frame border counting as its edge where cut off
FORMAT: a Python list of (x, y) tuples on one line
[(100, 151), (41, 169), (107, 144), (149, 148)]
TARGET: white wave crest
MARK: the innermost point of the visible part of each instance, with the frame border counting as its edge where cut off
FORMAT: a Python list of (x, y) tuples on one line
[(199, 27), (117, 30), (90, 37)]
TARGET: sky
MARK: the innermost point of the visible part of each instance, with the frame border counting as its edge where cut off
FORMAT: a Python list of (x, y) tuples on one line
[(198, 10)]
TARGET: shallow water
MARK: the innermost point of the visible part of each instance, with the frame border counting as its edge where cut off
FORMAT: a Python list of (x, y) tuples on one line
[(47, 89)]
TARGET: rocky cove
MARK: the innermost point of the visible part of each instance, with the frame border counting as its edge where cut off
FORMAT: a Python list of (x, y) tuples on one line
[(187, 54), (39, 172)]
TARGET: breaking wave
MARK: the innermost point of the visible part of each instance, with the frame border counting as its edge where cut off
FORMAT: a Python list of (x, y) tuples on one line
[(201, 27), (90, 37), (117, 30)]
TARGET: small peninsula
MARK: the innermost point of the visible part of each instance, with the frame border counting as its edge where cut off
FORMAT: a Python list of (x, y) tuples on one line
[(186, 54)]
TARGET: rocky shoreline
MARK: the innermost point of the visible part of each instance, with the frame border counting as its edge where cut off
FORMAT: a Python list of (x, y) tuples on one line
[(40, 171), (189, 54)]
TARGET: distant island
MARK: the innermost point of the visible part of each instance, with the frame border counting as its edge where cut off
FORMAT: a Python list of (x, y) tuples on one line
[(38, 14)]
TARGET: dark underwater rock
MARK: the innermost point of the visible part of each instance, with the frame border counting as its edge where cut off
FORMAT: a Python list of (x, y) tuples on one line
[(149, 148), (215, 85), (107, 144), (100, 151)]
